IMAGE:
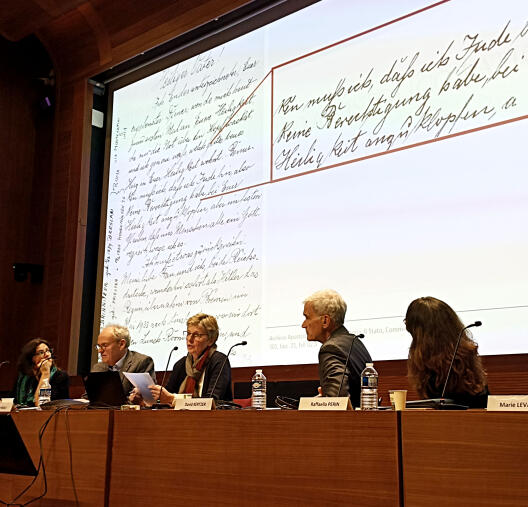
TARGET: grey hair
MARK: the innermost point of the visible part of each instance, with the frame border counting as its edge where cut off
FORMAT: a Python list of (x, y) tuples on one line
[(208, 322), (328, 302), (120, 332)]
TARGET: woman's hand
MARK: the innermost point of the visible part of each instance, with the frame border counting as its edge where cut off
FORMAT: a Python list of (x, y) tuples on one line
[(161, 394), (45, 368)]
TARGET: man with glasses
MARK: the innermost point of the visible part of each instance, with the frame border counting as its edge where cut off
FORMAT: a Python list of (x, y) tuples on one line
[(112, 345)]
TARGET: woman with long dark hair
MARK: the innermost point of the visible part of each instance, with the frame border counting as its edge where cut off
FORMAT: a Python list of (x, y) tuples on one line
[(435, 328), (35, 364)]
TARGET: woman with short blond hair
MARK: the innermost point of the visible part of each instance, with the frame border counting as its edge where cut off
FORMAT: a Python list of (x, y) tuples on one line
[(199, 371)]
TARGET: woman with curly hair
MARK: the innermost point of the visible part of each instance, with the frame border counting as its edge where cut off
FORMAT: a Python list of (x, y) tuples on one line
[(34, 365), (435, 328)]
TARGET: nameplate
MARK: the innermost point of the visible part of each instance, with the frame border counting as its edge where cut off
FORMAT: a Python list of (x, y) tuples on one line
[(194, 404), (6, 405), (325, 403), (512, 403)]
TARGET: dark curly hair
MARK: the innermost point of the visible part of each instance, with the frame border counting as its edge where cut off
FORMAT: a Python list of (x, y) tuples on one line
[(435, 327), (25, 360)]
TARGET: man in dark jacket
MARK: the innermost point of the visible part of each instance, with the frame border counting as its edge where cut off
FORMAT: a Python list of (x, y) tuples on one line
[(112, 345), (324, 315)]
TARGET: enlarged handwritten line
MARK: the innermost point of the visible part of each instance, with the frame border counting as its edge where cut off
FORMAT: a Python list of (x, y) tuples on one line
[(372, 155), (271, 72), (313, 53)]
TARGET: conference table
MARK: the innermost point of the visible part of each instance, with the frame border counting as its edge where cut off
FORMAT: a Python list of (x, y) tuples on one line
[(465, 458), (81, 474), (272, 457)]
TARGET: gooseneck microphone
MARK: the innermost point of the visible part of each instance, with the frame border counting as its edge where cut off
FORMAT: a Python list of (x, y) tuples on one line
[(347, 358), (165, 372), (459, 339), (210, 393)]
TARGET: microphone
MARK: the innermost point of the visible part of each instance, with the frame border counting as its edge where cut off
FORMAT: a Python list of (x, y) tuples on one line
[(459, 339), (165, 372), (347, 358), (4, 363), (210, 394)]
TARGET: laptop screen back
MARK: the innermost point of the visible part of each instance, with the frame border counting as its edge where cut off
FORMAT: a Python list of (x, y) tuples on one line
[(104, 389)]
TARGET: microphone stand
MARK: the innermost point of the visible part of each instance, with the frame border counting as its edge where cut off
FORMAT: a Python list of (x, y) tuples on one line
[(158, 404), (210, 394), (443, 404)]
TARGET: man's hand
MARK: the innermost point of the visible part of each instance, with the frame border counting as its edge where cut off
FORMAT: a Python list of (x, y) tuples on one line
[(135, 397)]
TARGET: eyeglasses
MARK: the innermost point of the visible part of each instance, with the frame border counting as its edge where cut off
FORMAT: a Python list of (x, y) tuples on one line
[(102, 346), (194, 336), (43, 352)]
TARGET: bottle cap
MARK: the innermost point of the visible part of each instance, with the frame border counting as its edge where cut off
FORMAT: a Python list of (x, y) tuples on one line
[(369, 364), (259, 371)]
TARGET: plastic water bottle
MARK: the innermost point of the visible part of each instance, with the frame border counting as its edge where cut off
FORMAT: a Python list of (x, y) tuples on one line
[(258, 390), (369, 388), (45, 392)]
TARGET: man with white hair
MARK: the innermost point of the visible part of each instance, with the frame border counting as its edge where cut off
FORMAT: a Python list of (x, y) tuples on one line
[(324, 315), (112, 345)]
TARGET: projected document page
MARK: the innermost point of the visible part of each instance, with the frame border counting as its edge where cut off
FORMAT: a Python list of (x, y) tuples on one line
[(375, 149)]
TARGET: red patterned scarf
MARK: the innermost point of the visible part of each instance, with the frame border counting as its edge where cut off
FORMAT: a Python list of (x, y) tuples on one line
[(195, 370)]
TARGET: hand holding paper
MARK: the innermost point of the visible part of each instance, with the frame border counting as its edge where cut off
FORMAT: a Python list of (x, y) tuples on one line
[(141, 381)]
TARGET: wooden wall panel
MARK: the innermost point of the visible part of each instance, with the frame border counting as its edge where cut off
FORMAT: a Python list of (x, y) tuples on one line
[(23, 197), (63, 255), (506, 375)]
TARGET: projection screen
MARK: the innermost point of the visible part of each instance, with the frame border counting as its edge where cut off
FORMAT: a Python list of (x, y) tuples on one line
[(374, 148)]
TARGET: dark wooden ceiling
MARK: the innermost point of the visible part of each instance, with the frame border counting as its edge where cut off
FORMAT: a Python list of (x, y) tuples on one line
[(20, 18), (86, 37)]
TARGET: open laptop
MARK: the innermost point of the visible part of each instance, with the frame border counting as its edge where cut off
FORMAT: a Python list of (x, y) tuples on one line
[(435, 403), (104, 389)]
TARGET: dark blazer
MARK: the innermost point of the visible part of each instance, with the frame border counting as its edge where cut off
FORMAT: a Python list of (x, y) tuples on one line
[(223, 386), (59, 382), (134, 363), (332, 357)]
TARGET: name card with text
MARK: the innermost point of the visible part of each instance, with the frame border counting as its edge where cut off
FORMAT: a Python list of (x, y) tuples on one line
[(325, 403), (194, 404), (6, 405), (512, 403)]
